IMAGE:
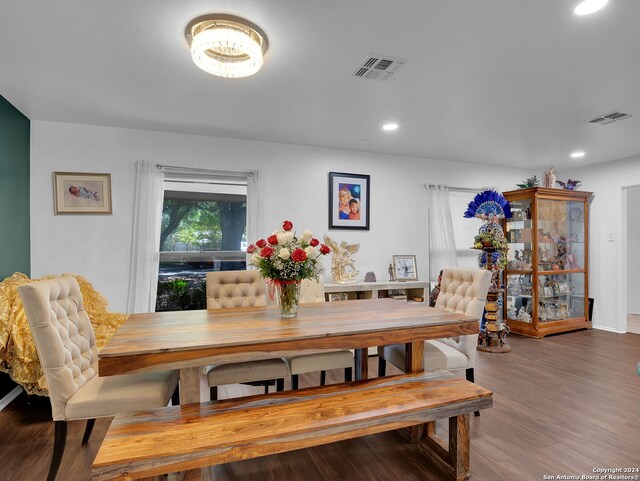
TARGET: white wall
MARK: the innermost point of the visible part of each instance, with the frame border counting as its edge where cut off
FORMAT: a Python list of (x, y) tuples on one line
[(633, 253), (607, 258), (99, 247)]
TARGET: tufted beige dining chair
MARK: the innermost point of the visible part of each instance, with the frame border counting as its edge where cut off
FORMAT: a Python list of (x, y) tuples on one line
[(463, 291), (226, 289), (66, 346), (301, 362)]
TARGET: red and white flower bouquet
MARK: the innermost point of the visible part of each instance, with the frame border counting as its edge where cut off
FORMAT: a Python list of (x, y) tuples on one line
[(285, 259)]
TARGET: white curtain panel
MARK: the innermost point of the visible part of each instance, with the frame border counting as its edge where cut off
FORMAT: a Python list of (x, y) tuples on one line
[(442, 244), (255, 206), (145, 244)]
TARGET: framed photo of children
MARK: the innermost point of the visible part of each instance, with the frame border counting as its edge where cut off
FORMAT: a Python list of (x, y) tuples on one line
[(81, 193), (348, 201)]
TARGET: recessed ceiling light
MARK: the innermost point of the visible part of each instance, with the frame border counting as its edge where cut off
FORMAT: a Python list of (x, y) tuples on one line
[(587, 7), (390, 126), (577, 155), (226, 46)]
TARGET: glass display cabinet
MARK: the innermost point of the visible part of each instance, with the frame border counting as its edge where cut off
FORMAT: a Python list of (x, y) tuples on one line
[(547, 264)]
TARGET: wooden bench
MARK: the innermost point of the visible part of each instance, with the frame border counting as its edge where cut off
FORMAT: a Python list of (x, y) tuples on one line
[(193, 436)]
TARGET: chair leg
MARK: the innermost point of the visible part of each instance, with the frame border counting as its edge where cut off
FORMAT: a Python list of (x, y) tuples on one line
[(175, 397), (266, 388), (294, 381), (470, 377), (87, 431), (323, 378), (59, 442), (382, 366), (213, 393), (470, 374), (348, 374), (280, 384)]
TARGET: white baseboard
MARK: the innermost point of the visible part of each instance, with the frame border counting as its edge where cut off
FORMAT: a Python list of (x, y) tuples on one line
[(609, 329), (5, 401)]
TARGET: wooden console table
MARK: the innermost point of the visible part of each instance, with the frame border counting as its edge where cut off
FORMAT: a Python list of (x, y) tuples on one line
[(375, 290)]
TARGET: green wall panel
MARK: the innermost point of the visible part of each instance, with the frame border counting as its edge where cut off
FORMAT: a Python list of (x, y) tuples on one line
[(15, 252)]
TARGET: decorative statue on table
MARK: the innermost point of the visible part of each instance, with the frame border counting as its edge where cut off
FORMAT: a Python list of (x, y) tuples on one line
[(550, 178), (343, 267), (491, 207)]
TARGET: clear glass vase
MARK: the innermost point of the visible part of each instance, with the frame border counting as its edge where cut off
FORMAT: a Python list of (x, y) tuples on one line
[(288, 293)]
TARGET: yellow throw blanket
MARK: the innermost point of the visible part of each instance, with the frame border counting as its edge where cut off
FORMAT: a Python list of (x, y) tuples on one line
[(18, 355)]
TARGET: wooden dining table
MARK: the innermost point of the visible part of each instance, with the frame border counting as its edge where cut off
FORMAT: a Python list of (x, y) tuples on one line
[(189, 340)]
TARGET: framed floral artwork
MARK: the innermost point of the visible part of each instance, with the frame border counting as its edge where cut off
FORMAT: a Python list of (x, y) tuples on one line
[(81, 193), (404, 268), (348, 201)]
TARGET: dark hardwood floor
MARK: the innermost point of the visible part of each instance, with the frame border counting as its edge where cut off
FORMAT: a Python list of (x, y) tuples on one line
[(562, 405)]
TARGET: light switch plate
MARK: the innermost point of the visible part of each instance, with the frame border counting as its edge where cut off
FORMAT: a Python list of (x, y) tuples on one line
[(611, 237)]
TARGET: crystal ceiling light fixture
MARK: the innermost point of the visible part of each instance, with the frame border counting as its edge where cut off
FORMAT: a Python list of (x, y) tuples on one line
[(226, 45), (587, 7)]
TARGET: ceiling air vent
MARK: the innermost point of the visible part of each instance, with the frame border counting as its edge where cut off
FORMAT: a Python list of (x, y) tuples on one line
[(609, 118), (378, 67)]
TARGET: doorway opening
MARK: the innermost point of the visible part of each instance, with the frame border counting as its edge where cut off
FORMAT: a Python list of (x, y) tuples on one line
[(633, 259)]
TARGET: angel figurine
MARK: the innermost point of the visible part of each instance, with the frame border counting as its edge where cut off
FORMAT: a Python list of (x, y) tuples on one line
[(343, 268), (550, 178)]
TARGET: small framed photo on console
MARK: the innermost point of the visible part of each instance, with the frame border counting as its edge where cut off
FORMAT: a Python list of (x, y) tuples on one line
[(404, 268)]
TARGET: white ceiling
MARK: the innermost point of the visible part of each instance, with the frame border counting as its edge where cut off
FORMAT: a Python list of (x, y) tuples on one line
[(505, 82)]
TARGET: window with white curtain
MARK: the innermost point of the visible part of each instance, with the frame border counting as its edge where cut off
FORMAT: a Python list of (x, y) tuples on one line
[(204, 228), (464, 229)]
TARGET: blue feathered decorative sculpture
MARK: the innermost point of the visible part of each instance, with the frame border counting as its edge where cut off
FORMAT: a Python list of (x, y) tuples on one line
[(489, 205)]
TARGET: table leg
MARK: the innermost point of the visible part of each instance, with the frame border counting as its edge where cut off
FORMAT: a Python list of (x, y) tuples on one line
[(190, 385), (414, 362), (459, 444), (362, 363), (203, 474), (189, 393), (455, 460), (414, 357)]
